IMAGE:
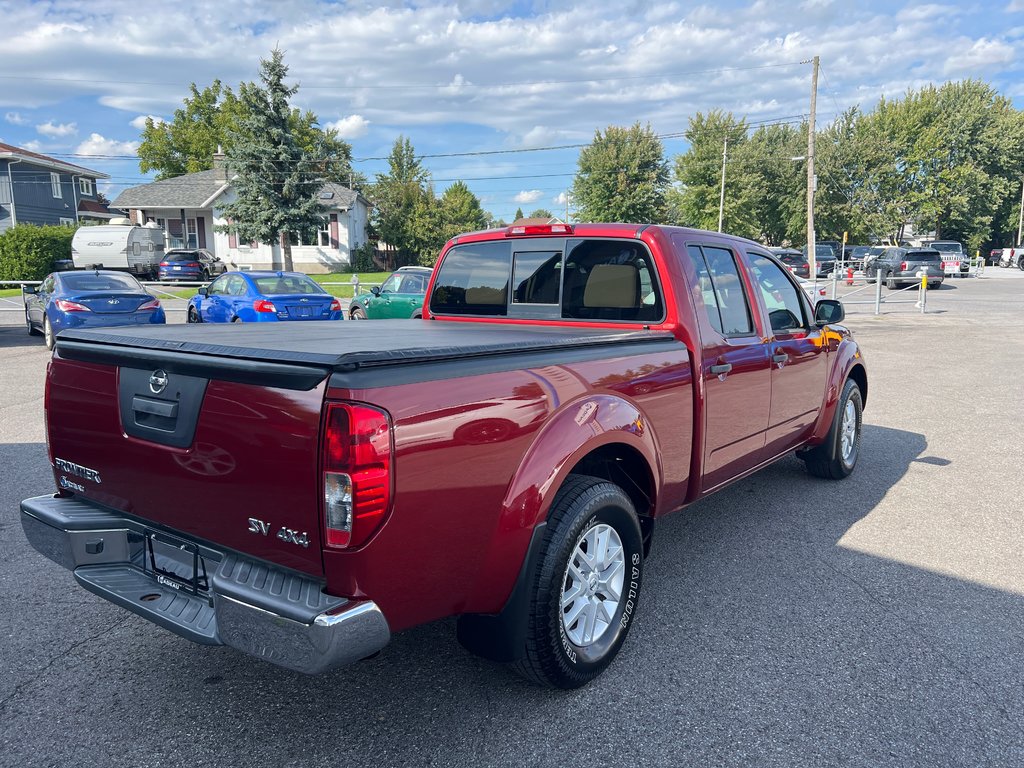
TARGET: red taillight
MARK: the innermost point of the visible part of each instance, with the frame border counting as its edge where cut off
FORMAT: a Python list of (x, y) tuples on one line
[(165, 263), (903, 266), (335, 306), (151, 304), (70, 306), (193, 264), (539, 229), (356, 473), (262, 305)]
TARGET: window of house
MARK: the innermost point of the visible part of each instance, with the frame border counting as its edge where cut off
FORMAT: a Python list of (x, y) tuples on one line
[(85, 186), (323, 234), (55, 185), (67, 222)]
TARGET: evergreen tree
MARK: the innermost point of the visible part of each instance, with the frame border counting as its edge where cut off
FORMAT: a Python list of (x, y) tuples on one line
[(519, 214), (402, 200), (276, 180), (541, 213), (622, 176)]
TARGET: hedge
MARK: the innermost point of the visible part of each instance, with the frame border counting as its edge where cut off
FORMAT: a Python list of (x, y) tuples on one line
[(27, 252)]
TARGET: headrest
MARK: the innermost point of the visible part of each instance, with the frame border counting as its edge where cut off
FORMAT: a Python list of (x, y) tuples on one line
[(612, 285)]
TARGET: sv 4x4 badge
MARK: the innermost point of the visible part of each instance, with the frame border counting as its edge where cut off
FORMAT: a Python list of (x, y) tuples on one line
[(285, 534)]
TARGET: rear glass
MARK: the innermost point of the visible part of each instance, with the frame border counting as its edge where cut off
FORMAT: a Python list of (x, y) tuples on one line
[(181, 256), (288, 284), (473, 280), (610, 280), (922, 256), (536, 277), (90, 281), (822, 251), (947, 247)]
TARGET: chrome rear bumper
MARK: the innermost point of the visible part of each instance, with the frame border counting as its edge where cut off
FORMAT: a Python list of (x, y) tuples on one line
[(269, 612)]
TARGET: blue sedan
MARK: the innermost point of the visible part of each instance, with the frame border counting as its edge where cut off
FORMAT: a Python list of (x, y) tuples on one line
[(259, 297), (80, 299)]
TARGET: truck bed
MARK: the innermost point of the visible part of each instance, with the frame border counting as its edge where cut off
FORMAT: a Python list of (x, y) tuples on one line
[(298, 356)]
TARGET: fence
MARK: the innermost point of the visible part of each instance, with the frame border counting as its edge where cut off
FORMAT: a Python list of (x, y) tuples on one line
[(893, 296)]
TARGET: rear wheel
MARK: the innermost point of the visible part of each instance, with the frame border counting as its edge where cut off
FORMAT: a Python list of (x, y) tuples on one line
[(837, 457), (29, 327), (206, 276), (236, 319), (193, 316), (358, 314), (583, 593), (890, 283), (48, 338)]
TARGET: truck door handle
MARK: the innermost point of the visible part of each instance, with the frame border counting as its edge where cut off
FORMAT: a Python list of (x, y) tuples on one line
[(780, 357), (721, 368)]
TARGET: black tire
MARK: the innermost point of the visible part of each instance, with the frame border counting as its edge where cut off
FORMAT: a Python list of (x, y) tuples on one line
[(236, 319), (29, 327), (827, 460), (193, 316), (417, 315), (206, 276), (890, 283), (48, 338), (358, 314), (551, 658)]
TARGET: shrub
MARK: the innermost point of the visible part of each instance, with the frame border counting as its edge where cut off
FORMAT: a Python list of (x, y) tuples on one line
[(362, 258), (27, 252)]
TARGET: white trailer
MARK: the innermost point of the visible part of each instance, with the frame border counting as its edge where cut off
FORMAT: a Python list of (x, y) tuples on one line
[(128, 247)]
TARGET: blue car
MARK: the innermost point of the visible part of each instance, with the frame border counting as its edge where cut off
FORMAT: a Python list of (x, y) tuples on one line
[(192, 264), (259, 297), (88, 299)]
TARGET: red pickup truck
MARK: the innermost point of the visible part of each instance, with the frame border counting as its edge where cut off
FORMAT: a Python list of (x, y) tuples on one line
[(300, 493)]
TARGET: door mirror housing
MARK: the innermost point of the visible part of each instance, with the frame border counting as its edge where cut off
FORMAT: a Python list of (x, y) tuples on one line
[(828, 312), (204, 290), (33, 289), (375, 290)]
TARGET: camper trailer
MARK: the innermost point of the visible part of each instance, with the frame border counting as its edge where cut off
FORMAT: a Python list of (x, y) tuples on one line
[(119, 245)]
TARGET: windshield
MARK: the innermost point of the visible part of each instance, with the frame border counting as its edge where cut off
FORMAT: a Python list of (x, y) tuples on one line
[(287, 284), (90, 281)]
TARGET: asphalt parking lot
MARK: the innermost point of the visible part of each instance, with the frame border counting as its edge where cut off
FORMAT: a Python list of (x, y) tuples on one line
[(785, 621)]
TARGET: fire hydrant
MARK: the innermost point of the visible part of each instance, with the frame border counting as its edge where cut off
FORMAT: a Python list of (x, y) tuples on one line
[(849, 275)]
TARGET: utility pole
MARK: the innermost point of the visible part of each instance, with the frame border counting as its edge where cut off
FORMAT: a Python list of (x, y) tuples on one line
[(811, 256), (721, 197), (1020, 221)]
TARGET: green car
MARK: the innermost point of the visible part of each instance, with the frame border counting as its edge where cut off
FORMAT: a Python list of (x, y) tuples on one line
[(400, 296)]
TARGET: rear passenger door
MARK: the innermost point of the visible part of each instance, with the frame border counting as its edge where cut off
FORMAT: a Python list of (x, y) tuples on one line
[(735, 367), (799, 362)]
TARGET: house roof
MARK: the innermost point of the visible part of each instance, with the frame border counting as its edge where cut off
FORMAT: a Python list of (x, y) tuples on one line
[(535, 221), (17, 153), (198, 190), (189, 190), (96, 210)]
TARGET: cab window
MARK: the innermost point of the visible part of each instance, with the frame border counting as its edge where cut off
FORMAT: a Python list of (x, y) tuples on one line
[(473, 280), (781, 298), (722, 290), (610, 280)]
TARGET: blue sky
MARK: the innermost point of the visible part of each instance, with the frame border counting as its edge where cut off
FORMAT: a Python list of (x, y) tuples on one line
[(78, 78)]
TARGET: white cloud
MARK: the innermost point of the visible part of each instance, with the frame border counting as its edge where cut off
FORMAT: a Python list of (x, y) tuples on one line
[(1015, 6), (528, 196), (561, 198), (54, 130), (32, 146), (983, 55), (139, 123), (99, 145), (16, 118), (351, 127)]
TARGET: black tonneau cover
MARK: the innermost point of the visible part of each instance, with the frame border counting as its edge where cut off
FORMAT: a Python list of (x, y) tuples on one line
[(300, 355)]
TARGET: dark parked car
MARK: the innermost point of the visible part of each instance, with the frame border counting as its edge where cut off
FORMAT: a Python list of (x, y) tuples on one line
[(192, 264), (81, 299), (259, 297), (825, 258), (400, 296), (794, 260), (900, 266)]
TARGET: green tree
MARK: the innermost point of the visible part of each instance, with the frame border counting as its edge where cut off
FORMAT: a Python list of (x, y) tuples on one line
[(519, 214), (403, 203), (622, 176), (698, 175), (541, 213), (276, 180), (210, 119), (773, 185)]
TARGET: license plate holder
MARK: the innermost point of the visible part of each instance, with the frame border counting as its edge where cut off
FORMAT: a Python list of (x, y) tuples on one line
[(190, 574)]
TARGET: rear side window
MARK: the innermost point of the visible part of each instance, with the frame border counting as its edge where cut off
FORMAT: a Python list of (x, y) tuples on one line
[(611, 280), (722, 290), (473, 280)]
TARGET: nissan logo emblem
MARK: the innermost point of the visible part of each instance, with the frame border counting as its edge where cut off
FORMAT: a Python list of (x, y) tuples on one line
[(158, 381)]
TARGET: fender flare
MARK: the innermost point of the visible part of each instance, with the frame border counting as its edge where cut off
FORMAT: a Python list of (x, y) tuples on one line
[(848, 356)]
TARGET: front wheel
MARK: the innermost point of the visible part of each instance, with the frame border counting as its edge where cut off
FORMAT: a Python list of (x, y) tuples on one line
[(890, 283), (837, 456), (193, 316), (358, 314), (28, 325), (583, 594)]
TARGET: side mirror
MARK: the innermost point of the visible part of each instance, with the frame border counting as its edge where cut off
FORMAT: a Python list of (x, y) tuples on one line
[(204, 290), (828, 312), (375, 290), (33, 289)]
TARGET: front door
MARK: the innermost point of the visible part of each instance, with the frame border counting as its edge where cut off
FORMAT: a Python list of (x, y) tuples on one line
[(735, 366), (799, 361)]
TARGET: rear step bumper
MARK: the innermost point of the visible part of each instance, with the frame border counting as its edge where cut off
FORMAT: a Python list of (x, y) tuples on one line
[(251, 605)]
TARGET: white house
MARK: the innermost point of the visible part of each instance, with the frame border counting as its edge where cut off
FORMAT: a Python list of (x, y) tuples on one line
[(189, 208)]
